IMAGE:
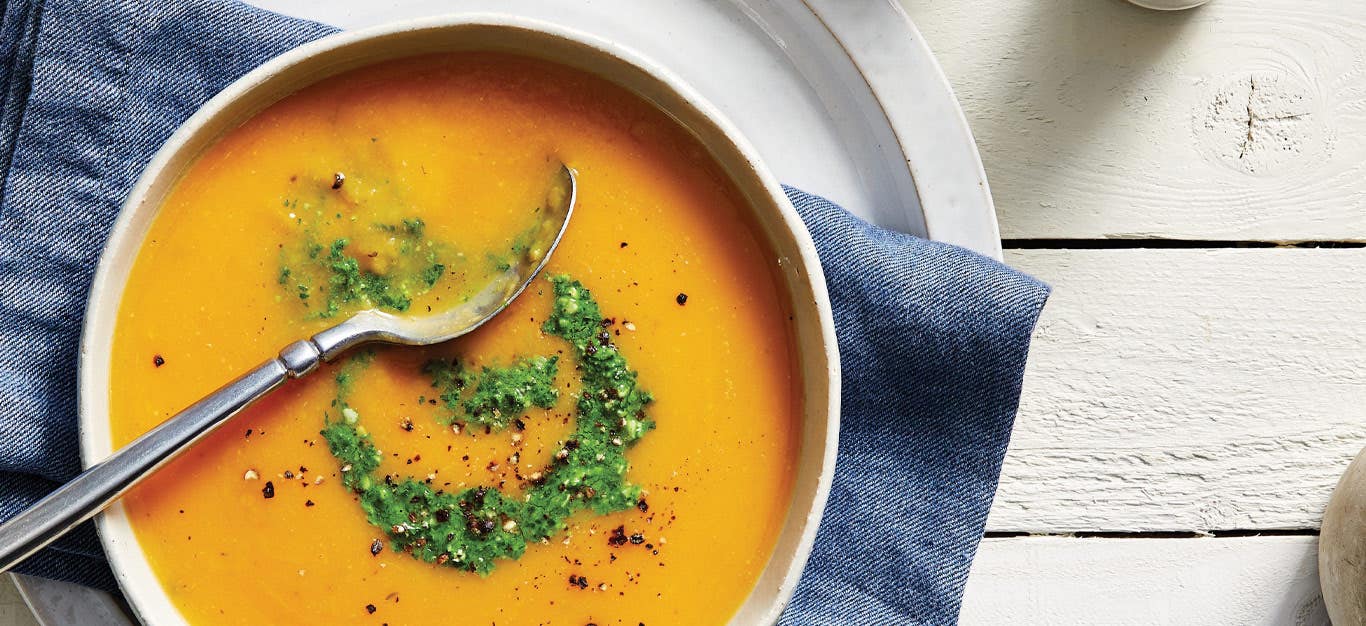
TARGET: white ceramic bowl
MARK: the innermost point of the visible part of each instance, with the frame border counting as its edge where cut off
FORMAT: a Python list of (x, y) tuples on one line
[(1169, 5), (794, 254)]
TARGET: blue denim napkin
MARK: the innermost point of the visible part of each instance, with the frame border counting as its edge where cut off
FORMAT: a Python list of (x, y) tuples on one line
[(933, 338)]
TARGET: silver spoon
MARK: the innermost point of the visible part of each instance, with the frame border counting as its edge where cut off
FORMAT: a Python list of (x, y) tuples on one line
[(97, 487)]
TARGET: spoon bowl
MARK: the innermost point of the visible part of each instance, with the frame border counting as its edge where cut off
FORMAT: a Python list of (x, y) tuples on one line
[(542, 238)]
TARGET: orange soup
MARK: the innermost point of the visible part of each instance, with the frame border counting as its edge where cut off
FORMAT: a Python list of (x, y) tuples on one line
[(617, 447)]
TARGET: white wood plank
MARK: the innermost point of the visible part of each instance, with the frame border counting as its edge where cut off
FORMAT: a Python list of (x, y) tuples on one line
[(13, 612), (1188, 390), (1100, 119), (1258, 581)]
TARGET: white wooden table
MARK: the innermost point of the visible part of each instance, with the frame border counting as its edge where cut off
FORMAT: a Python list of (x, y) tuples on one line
[(1193, 186)]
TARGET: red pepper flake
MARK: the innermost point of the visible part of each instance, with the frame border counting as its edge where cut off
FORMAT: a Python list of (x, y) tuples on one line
[(578, 581), (682, 299), (618, 537), (624, 244), (643, 506), (370, 608), (157, 361), (308, 503), (269, 490)]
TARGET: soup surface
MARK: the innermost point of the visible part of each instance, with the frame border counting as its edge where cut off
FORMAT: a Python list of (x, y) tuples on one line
[(615, 448)]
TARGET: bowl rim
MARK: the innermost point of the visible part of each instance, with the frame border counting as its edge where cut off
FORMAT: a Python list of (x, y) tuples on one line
[(105, 298)]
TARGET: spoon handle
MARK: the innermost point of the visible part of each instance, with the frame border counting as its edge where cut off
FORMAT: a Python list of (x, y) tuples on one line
[(101, 484)]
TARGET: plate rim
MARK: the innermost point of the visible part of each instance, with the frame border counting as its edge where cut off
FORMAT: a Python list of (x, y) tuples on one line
[(955, 198)]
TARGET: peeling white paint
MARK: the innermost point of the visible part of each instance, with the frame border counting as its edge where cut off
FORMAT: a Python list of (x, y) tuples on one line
[(1262, 124)]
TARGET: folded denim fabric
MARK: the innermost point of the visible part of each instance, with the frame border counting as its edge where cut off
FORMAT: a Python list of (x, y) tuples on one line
[(932, 338)]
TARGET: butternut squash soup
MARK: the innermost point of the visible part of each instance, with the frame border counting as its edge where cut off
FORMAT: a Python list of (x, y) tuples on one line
[(617, 447)]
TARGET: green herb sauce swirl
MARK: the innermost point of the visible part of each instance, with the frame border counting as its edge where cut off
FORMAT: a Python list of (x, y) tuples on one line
[(473, 529)]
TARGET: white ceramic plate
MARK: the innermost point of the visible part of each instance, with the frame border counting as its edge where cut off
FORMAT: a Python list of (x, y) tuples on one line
[(841, 98)]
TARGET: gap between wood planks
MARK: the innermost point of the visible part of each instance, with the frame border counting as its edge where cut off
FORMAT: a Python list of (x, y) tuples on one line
[(1161, 534), (1139, 243)]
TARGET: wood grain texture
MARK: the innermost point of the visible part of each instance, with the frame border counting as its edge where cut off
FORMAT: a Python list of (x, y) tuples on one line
[(1258, 581), (1243, 119), (1187, 390)]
